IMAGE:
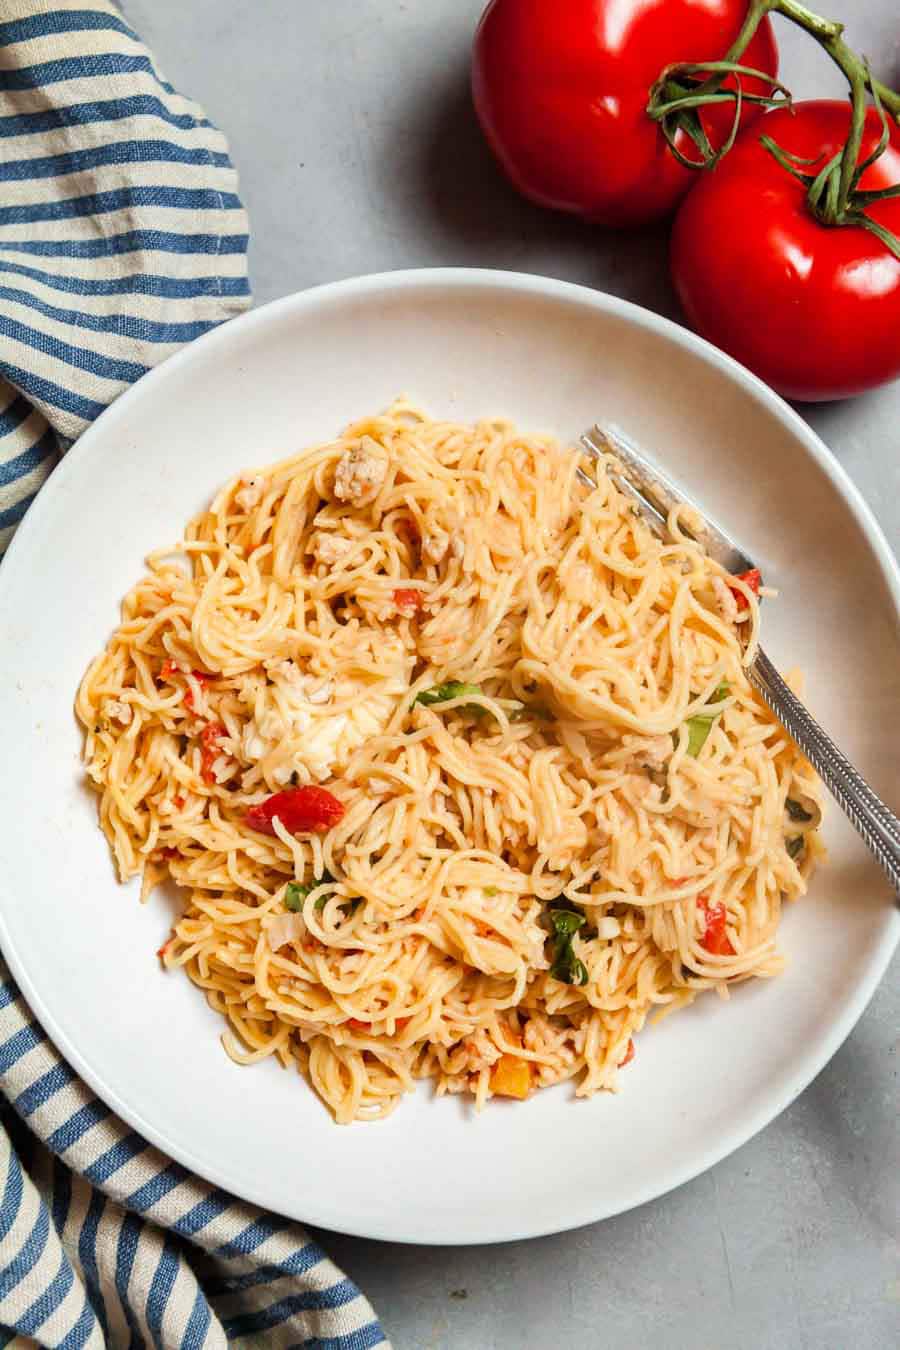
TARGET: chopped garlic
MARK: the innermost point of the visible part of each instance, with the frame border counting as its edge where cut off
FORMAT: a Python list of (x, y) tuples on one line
[(608, 927)]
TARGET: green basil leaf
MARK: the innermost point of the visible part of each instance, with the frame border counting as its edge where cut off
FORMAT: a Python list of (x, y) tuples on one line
[(566, 921), (579, 972), (795, 846), (295, 895), (796, 811), (700, 725), (442, 693), (698, 731), (539, 712), (561, 969), (566, 966), (297, 892)]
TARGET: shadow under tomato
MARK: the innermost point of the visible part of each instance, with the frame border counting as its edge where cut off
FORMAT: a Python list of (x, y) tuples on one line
[(478, 220)]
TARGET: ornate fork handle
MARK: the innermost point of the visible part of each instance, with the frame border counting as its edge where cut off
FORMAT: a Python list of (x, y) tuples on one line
[(875, 822)]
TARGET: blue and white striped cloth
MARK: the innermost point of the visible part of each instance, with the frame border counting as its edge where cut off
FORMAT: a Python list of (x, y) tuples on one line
[(121, 237), (121, 232)]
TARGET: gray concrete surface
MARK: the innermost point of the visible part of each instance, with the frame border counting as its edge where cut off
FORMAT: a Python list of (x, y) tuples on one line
[(350, 124)]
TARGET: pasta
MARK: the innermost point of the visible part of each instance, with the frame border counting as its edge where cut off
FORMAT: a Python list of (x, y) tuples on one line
[(456, 762)]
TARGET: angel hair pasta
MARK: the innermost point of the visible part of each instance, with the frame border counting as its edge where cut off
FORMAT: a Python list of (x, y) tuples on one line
[(456, 762)]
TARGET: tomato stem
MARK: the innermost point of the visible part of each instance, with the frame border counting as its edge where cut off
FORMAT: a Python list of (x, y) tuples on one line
[(833, 193)]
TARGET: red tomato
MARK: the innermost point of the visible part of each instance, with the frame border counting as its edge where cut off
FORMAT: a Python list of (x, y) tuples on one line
[(812, 309), (715, 939), (301, 810), (408, 600), (210, 736), (752, 579), (561, 89)]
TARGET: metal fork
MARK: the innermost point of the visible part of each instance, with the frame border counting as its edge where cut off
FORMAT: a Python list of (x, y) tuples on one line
[(654, 495)]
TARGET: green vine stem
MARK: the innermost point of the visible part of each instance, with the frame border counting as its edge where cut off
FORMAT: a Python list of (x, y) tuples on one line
[(833, 194)]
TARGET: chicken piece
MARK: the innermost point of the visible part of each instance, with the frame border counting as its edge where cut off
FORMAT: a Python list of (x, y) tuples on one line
[(444, 538), (117, 711), (481, 1052), (580, 584), (654, 752), (251, 492), (330, 548), (725, 601), (435, 545), (360, 472)]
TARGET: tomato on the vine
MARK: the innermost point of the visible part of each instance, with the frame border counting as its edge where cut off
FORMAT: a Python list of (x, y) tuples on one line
[(812, 308), (561, 90)]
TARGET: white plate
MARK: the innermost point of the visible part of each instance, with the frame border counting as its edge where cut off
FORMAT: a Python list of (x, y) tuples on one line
[(465, 344)]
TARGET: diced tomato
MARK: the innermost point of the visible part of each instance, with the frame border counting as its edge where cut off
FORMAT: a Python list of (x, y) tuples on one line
[(409, 601), (629, 1055), (301, 810), (179, 802), (356, 1025), (511, 1077), (715, 939), (210, 736), (169, 669), (403, 1023), (164, 948), (753, 579)]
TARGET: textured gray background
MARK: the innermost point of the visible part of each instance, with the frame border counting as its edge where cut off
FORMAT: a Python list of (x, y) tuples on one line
[(350, 123)]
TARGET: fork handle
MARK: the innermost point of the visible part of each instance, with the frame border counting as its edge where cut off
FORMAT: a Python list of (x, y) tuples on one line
[(875, 822)]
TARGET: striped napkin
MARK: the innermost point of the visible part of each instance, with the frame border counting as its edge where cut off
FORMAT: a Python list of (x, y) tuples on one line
[(121, 238)]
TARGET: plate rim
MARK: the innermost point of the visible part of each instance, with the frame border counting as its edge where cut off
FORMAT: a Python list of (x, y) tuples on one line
[(811, 1062)]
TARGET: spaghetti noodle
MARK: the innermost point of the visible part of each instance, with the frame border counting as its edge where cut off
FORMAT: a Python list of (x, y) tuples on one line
[(457, 764)]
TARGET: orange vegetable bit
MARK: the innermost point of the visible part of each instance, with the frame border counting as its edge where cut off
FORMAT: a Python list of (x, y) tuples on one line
[(511, 1077)]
